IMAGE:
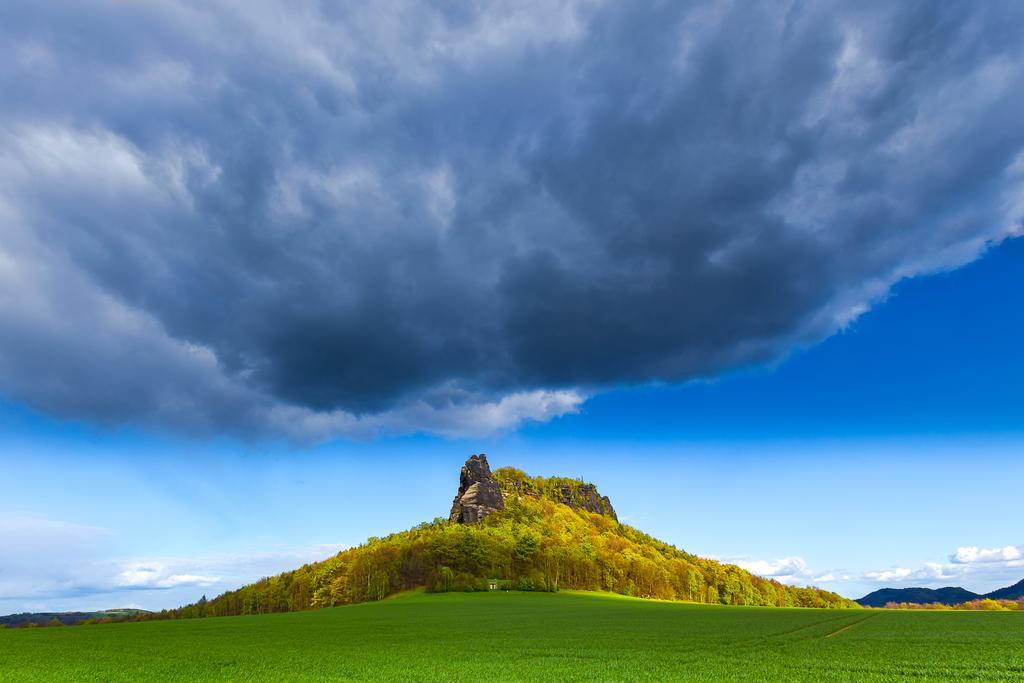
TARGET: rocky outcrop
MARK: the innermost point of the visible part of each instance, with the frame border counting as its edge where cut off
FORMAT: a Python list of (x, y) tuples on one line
[(574, 493), (586, 497), (479, 493)]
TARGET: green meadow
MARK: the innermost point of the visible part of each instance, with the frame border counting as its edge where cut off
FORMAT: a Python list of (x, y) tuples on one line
[(531, 636)]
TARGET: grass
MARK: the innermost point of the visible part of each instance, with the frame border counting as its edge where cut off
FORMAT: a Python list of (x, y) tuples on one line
[(565, 636)]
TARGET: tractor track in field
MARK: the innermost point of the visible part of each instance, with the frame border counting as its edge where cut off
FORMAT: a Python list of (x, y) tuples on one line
[(772, 640), (846, 628), (806, 627)]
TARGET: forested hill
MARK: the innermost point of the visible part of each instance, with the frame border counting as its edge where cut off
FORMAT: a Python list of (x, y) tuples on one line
[(70, 618), (951, 595), (1014, 592), (522, 533)]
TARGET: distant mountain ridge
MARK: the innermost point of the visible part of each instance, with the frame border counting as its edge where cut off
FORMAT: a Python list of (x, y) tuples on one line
[(1014, 592), (68, 618), (950, 595)]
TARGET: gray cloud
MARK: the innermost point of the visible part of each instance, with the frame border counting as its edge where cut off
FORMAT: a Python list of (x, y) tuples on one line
[(320, 219)]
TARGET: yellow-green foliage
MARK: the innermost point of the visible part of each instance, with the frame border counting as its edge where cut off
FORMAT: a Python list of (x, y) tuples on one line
[(533, 544), (980, 605)]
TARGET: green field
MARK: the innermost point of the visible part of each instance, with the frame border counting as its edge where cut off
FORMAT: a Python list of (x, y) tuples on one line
[(564, 636)]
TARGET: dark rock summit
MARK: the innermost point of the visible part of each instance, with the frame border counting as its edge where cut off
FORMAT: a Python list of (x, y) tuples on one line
[(575, 493), (586, 497), (479, 493)]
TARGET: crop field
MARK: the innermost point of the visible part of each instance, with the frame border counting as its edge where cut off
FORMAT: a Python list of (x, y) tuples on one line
[(564, 636)]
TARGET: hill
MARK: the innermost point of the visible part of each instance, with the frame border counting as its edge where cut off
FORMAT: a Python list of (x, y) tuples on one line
[(513, 531), (497, 635), (950, 595), (1014, 592), (68, 618)]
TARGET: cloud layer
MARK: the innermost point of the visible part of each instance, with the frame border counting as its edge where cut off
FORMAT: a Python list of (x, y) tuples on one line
[(993, 567), (57, 565), (323, 219)]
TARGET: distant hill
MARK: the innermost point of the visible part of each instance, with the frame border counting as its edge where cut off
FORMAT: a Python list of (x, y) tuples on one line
[(1014, 592), (511, 531), (68, 618), (951, 595)]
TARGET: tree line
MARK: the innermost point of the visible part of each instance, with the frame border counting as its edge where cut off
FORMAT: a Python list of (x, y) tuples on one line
[(979, 605)]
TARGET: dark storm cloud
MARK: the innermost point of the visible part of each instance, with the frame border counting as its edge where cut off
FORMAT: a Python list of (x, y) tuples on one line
[(334, 218)]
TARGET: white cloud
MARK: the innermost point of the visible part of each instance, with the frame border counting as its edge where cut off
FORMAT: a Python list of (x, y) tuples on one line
[(981, 567), (973, 554), (158, 575), (222, 571), (931, 572), (887, 575), (788, 570)]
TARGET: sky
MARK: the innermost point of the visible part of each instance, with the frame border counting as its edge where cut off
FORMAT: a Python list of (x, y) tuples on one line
[(269, 274)]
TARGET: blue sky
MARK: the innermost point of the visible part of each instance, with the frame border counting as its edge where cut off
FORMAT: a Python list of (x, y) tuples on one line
[(885, 448), (270, 271)]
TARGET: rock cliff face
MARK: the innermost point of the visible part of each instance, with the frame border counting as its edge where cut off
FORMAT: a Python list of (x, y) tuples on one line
[(575, 493), (479, 493), (586, 497)]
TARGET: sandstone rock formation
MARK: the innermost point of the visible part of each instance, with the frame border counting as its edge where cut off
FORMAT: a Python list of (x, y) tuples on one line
[(587, 498), (574, 493), (479, 493)]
